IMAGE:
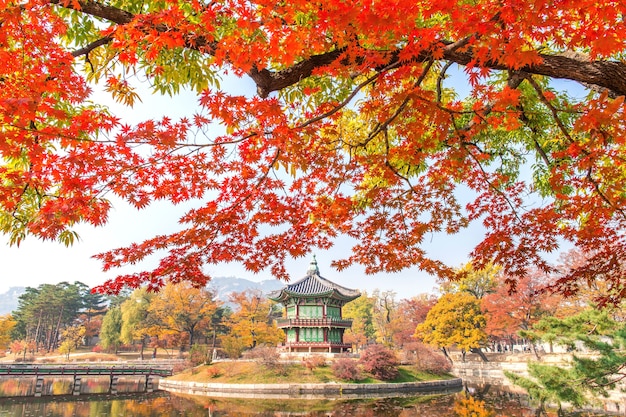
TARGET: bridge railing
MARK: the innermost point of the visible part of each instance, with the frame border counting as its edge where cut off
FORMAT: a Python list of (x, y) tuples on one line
[(35, 370)]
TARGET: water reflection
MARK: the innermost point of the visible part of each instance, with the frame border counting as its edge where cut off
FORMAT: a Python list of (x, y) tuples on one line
[(170, 405), (60, 385)]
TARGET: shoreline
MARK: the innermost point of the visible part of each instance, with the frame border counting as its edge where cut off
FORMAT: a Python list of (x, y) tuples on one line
[(325, 390)]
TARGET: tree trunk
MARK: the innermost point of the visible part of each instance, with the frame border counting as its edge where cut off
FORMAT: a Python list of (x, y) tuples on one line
[(56, 331), (480, 353), (445, 353), (213, 343), (37, 330), (534, 349), (143, 343)]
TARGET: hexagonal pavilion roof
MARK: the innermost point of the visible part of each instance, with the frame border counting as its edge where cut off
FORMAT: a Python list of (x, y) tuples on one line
[(314, 285)]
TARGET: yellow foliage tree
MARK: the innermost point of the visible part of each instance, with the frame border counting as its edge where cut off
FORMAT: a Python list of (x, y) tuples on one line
[(7, 323), (360, 311), (182, 311), (253, 320), (477, 282), (456, 320), (71, 338)]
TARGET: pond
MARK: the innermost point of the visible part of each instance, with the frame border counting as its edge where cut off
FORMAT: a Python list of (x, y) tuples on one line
[(163, 404)]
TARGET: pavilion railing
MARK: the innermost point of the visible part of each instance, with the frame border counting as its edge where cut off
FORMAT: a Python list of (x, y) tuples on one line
[(302, 344), (314, 322)]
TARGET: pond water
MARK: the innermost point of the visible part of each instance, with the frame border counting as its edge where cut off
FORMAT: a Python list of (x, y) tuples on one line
[(163, 404)]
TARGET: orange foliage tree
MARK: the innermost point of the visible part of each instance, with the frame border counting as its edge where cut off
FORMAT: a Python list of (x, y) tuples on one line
[(357, 128), (510, 312), (410, 313)]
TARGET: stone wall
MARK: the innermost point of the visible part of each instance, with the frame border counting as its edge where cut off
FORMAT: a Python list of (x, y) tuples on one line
[(330, 390), (489, 373), (474, 372)]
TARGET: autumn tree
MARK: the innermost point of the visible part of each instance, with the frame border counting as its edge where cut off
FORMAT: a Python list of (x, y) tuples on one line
[(592, 288), (111, 330), (388, 122), (456, 320), (510, 311), (183, 312), (71, 338), (360, 311), (252, 320), (137, 324), (477, 282), (7, 323), (410, 312), (20, 347), (385, 308)]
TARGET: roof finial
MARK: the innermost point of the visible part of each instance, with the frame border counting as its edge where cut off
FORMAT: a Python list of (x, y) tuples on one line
[(313, 269)]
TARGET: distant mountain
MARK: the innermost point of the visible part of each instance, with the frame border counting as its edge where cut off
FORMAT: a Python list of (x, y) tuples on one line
[(8, 300), (223, 286)]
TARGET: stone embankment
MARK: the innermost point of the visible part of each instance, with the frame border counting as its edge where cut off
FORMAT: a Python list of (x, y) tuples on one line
[(328, 390), (492, 373)]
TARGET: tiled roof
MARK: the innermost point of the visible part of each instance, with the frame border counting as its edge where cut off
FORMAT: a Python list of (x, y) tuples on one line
[(313, 284)]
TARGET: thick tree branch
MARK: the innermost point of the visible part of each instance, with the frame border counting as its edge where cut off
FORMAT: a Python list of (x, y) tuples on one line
[(95, 9), (93, 45), (610, 75)]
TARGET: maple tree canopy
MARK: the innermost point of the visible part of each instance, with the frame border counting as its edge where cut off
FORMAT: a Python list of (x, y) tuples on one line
[(355, 129)]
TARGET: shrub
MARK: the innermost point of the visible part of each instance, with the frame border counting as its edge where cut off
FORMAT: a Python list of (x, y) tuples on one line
[(265, 355), (431, 361), (200, 355), (181, 366), (232, 346), (213, 372), (346, 369), (97, 349), (313, 362), (380, 361)]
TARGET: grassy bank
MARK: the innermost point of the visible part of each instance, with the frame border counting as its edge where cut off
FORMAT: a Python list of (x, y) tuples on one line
[(252, 372)]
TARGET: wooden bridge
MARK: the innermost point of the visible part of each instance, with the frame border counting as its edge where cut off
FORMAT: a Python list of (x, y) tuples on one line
[(39, 372)]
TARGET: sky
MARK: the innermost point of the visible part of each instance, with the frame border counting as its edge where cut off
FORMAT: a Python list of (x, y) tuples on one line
[(35, 262)]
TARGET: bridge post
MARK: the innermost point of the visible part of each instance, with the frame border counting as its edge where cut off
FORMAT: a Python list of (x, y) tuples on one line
[(77, 384), (113, 385), (149, 383), (39, 386)]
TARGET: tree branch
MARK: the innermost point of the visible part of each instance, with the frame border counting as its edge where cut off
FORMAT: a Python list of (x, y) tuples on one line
[(93, 45), (95, 9), (610, 75)]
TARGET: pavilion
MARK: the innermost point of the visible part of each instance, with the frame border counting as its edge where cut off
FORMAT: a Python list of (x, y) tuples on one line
[(313, 320)]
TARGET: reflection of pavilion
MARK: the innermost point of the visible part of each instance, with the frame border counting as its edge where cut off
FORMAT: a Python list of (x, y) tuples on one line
[(313, 321)]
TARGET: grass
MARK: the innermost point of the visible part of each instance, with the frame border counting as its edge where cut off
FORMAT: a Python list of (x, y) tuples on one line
[(251, 372)]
